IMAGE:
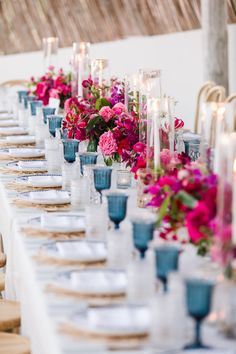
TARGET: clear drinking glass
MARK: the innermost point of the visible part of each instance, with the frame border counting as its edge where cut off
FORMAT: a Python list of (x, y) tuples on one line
[(69, 172), (79, 195), (96, 222)]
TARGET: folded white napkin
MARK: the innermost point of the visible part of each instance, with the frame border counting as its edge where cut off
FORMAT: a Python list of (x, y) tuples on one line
[(25, 152), (21, 139), (62, 222), (31, 164), (7, 122), (45, 181), (119, 318)]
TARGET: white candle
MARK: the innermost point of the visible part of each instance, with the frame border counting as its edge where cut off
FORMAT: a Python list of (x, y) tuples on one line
[(219, 128), (80, 74), (156, 117), (171, 105)]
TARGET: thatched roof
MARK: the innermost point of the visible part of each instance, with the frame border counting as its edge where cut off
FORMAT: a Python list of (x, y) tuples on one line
[(23, 23)]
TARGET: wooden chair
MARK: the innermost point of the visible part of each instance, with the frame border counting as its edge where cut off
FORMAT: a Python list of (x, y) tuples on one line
[(9, 315), (12, 83), (200, 98), (3, 259), (216, 94), (14, 344), (2, 282)]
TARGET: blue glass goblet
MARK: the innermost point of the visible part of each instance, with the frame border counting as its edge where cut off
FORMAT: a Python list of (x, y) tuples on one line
[(28, 99), (47, 111), (143, 231), (167, 258), (33, 105), (117, 206), (21, 94), (198, 298), (87, 158), (71, 147), (102, 179), (54, 122)]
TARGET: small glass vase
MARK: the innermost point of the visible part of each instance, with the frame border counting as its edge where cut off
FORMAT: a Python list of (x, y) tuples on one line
[(145, 178)]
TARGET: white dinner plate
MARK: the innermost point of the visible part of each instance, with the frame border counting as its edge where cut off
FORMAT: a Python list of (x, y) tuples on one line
[(94, 281), (13, 131), (58, 223), (123, 320), (22, 152), (81, 251), (28, 165), (40, 181), (50, 197), (20, 139), (8, 123)]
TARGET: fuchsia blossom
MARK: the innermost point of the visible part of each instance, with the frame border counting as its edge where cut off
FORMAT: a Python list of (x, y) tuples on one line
[(107, 144)]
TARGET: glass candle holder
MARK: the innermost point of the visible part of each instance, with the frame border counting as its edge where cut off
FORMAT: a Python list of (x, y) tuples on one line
[(80, 64), (123, 179), (87, 158), (50, 50), (70, 147), (48, 111), (100, 74), (54, 122)]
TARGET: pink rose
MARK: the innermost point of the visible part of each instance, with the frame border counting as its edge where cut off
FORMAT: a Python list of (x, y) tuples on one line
[(106, 113), (107, 144), (51, 68), (119, 108)]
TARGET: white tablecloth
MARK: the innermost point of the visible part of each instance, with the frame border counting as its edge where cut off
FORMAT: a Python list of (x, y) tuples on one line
[(25, 281)]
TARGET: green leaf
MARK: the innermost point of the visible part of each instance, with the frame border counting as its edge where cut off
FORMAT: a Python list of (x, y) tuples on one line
[(186, 199), (92, 123), (92, 146), (102, 102), (163, 210)]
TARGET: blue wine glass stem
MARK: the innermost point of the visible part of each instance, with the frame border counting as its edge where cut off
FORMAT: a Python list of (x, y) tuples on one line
[(198, 332), (165, 285), (117, 226), (100, 197)]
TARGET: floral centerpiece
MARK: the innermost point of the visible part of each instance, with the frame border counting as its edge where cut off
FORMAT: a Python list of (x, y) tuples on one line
[(52, 84), (185, 195), (103, 121)]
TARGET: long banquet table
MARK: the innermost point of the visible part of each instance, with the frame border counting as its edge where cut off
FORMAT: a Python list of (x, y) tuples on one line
[(26, 280)]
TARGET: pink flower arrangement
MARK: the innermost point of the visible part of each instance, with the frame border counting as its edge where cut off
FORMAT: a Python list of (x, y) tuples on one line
[(106, 113), (52, 84), (185, 195)]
